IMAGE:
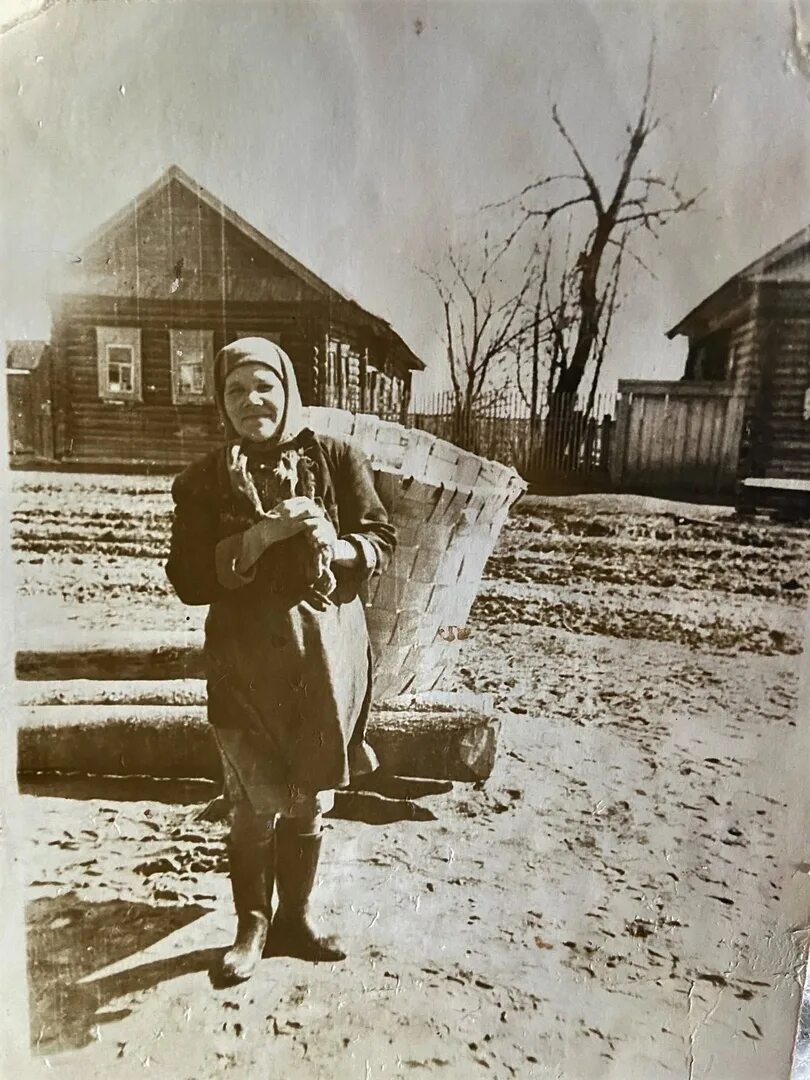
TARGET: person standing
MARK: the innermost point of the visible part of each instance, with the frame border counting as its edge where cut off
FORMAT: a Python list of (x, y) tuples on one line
[(276, 532)]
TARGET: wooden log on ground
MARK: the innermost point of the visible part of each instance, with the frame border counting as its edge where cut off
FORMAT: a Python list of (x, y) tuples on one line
[(147, 655), (436, 737), (111, 692)]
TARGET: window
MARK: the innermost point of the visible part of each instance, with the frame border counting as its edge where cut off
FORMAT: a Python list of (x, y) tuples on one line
[(712, 357), (397, 395), (349, 378), (378, 392), (119, 363), (192, 353), (370, 403), (329, 376), (384, 394), (120, 369)]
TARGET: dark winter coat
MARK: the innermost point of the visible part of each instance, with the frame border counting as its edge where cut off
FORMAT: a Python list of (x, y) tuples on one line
[(296, 678)]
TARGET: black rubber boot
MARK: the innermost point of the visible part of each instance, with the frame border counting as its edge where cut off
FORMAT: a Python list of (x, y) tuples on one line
[(296, 869), (248, 872)]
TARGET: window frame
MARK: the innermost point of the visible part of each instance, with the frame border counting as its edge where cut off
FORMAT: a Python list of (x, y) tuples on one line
[(118, 337), (206, 339)]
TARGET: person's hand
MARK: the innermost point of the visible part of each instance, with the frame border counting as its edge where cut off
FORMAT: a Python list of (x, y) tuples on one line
[(288, 518), (346, 555), (296, 511), (322, 532)]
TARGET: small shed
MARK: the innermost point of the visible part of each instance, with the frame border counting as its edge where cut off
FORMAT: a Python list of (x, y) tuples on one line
[(751, 337), (30, 429), (159, 289)]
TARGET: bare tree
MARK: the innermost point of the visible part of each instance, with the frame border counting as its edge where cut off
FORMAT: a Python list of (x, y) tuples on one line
[(483, 320), (550, 332), (639, 200), (546, 346), (546, 351)]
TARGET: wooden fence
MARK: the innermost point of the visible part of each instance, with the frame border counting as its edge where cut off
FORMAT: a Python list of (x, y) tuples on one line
[(564, 447), (677, 438), (669, 438)]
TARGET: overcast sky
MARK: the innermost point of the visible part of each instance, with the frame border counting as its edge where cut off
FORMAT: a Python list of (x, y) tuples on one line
[(355, 134)]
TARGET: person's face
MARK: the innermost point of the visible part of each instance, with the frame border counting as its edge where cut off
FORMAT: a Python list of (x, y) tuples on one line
[(254, 401)]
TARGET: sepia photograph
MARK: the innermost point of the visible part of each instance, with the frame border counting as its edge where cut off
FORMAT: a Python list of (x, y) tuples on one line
[(407, 539)]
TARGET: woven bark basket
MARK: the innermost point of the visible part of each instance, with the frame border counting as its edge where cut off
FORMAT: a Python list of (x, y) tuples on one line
[(448, 506)]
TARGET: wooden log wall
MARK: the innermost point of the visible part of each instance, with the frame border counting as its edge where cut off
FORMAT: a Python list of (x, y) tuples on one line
[(781, 434), (154, 429), (345, 379), (769, 353)]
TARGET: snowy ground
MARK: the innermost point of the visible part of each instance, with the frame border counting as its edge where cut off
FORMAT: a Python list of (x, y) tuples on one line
[(619, 900)]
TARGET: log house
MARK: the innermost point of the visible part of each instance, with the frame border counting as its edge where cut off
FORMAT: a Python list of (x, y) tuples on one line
[(159, 289), (752, 335)]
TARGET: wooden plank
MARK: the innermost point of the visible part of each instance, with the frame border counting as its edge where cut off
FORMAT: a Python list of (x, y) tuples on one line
[(680, 435), (716, 448), (708, 416), (640, 407), (691, 450), (732, 436), (778, 483), (658, 388), (617, 449)]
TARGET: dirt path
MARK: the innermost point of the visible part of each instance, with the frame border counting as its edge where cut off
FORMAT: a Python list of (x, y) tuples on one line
[(617, 901)]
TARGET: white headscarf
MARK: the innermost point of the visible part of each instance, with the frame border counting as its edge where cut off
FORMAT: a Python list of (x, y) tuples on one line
[(256, 350)]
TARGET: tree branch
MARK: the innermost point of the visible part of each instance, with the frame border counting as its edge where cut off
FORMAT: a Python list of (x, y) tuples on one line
[(587, 175)]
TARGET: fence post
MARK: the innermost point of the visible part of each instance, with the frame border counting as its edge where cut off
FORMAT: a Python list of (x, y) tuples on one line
[(618, 440)]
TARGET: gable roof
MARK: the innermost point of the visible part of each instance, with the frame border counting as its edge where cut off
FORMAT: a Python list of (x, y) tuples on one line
[(755, 271), (270, 247)]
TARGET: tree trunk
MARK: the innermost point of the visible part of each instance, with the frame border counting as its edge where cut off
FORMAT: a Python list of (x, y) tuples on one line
[(463, 427), (588, 332), (535, 390)]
